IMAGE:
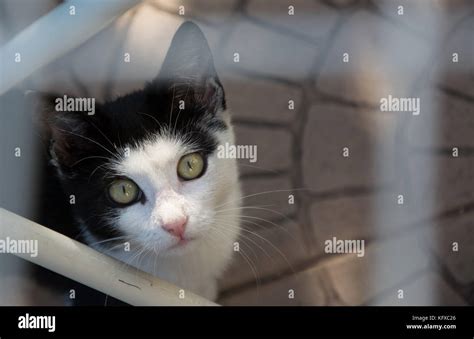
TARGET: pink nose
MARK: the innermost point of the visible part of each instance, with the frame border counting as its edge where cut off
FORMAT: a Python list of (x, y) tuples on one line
[(176, 227)]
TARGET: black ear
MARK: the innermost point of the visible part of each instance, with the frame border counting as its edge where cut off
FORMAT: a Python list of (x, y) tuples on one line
[(70, 134), (189, 69)]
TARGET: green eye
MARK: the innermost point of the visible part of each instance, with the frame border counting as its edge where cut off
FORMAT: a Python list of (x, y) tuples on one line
[(124, 191), (191, 166)]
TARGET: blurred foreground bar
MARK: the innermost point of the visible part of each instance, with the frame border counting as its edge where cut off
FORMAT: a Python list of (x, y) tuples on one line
[(83, 264), (55, 34)]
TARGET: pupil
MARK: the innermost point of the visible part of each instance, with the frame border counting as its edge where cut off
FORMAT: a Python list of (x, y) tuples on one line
[(124, 190), (189, 165)]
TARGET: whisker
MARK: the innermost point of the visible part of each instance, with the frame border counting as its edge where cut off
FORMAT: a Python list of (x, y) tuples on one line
[(108, 240), (272, 223), (96, 169), (260, 193), (172, 103), (264, 220), (270, 243), (179, 112), (249, 262), (106, 138), (218, 212), (88, 139), (91, 157), (241, 208), (244, 237), (152, 117)]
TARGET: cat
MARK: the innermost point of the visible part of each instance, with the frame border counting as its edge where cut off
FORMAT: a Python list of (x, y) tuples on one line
[(143, 172)]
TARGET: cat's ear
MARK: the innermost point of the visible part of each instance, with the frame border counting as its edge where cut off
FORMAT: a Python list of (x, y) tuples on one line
[(189, 69), (66, 132)]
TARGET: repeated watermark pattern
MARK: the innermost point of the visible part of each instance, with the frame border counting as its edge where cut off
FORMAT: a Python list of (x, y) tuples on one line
[(19, 246), (229, 151)]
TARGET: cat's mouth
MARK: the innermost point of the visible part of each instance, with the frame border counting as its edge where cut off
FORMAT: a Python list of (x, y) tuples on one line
[(182, 242)]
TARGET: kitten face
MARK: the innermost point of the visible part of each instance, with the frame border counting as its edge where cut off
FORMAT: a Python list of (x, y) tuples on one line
[(168, 199), (132, 166)]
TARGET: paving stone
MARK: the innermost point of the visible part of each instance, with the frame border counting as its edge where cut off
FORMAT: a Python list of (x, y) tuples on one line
[(343, 218), (429, 17), (448, 180), (362, 217), (267, 256), (258, 99), (378, 65), (265, 51), (429, 289), (210, 10), (308, 287), (273, 149), (444, 121), (460, 230), (330, 129), (312, 19), (266, 198), (384, 265), (342, 3), (458, 75), (380, 214)]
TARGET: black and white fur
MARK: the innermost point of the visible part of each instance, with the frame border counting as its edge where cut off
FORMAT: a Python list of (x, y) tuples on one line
[(87, 152)]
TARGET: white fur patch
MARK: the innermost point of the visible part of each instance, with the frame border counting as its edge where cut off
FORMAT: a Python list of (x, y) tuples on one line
[(210, 203)]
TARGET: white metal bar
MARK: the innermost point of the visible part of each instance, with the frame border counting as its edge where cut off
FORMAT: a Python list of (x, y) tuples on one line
[(54, 34), (83, 264)]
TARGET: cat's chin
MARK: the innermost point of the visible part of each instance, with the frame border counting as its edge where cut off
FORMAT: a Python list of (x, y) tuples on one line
[(178, 248), (181, 247)]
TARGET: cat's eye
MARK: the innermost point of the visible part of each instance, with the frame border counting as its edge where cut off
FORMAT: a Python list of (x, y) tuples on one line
[(124, 191), (191, 166)]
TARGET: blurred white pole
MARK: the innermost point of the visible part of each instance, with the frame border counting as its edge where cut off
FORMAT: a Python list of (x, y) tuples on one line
[(55, 34), (418, 184), (83, 264)]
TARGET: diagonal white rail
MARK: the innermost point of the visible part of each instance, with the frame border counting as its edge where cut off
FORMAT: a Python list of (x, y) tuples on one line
[(83, 264), (53, 35)]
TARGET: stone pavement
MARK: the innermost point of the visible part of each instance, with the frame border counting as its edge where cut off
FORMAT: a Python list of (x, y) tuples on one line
[(293, 95)]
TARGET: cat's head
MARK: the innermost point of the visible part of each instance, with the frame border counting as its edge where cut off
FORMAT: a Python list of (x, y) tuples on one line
[(144, 168)]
